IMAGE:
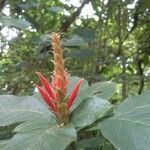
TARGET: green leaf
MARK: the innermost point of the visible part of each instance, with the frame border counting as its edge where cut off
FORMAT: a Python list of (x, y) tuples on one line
[(33, 125), (94, 128), (103, 90), (80, 53), (86, 33), (129, 128), (144, 5), (89, 111), (17, 109), (46, 138), (28, 5), (3, 143), (38, 131), (75, 40), (56, 9), (81, 94), (13, 22), (72, 82)]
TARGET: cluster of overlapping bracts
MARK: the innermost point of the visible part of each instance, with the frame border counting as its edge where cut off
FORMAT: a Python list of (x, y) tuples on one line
[(54, 93)]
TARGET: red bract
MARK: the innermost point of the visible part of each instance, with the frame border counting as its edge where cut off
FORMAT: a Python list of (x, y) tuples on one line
[(73, 94), (48, 93), (46, 85), (47, 98), (54, 94)]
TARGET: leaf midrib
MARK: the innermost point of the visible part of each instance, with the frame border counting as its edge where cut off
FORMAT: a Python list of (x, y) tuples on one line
[(20, 110), (131, 121)]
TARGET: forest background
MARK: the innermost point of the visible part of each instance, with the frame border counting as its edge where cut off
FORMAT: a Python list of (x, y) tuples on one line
[(103, 40)]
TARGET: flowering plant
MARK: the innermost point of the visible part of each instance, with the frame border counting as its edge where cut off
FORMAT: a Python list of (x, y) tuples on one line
[(54, 94), (71, 114), (71, 104)]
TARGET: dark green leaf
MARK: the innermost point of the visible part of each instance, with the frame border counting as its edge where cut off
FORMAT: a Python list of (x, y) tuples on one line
[(86, 33), (90, 143), (80, 53), (28, 5), (56, 9), (74, 41), (13, 22)]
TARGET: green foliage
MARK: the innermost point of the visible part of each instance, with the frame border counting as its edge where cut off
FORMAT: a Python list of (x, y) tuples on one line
[(103, 90), (129, 128), (18, 109), (38, 125), (3, 144), (125, 128), (89, 111), (90, 143), (42, 137), (13, 22), (92, 43), (113, 44)]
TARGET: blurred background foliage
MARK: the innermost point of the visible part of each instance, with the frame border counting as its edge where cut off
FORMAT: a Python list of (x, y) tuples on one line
[(103, 40)]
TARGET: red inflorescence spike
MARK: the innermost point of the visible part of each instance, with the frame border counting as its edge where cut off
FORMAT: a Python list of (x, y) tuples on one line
[(73, 94), (46, 85), (46, 98)]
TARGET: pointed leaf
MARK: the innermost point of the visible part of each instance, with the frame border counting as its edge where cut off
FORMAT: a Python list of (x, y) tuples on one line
[(72, 82), (73, 94), (46, 85), (47, 98), (13, 22)]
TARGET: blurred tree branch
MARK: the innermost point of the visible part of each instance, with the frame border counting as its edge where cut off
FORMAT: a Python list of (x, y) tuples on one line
[(2, 4), (32, 20), (73, 17), (136, 20), (64, 27), (121, 52), (139, 71)]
